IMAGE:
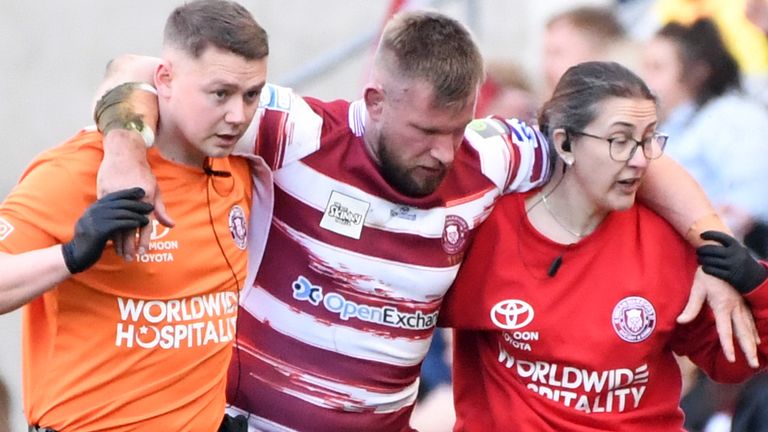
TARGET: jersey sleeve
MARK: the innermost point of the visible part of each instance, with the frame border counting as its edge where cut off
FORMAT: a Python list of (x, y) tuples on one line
[(513, 155), (44, 206), (284, 129), (699, 341)]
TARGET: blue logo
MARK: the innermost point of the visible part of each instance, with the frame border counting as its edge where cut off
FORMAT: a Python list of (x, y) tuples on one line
[(303, 290)]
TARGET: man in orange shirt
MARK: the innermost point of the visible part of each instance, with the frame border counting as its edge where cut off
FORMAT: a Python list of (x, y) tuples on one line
[(141, 345)]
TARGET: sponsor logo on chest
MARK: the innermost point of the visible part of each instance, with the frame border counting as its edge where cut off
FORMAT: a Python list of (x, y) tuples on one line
[(513, 314), (582, 389), (403, 212), (346, 309), (160, 247), (345, 215), (178, 323)]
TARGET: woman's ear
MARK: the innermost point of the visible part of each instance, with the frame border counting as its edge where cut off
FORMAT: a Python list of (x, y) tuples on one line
[(562, 143)]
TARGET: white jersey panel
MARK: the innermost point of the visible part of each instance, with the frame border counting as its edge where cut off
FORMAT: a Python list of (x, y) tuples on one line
[(385, 278), (382, 214)]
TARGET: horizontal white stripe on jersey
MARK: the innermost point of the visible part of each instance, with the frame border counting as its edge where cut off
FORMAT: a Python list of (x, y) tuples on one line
[(385, 278), (333, 337), (294, 178), (325, 393)]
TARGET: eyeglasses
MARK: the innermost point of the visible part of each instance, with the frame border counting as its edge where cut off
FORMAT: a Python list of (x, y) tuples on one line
[(623, 147)]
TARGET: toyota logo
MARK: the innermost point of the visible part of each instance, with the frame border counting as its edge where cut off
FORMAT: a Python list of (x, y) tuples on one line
[(512, 314)]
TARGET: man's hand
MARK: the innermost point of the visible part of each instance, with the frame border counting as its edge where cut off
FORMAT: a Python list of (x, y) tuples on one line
[(116, 212), (125, 166), (731, 315)]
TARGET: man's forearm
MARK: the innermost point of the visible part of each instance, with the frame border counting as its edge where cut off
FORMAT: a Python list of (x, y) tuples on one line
[(128, 100), (127, 68), (28, 275), (672, 193)]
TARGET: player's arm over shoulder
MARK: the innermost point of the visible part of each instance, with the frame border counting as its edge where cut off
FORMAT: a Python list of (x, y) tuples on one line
[(513, 154)]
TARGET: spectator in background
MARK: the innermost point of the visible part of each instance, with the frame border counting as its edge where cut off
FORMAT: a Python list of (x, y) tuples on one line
[(506, 92), (713, 126), (578, 35), (744, 41)]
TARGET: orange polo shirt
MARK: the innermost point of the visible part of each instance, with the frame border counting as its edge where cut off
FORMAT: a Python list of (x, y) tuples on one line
[(132, 346)]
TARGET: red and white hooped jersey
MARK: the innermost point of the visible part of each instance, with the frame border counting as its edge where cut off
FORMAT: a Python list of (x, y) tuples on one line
[(334, 326)]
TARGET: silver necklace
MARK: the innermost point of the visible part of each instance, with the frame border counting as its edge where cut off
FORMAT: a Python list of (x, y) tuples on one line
[(576, 234)]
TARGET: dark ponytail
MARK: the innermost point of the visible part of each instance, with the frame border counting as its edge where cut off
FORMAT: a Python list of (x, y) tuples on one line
[(701, 44)]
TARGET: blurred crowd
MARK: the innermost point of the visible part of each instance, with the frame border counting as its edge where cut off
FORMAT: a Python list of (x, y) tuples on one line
[(707, 63)]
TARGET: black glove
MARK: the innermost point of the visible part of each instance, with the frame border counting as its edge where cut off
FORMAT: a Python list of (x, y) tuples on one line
[(730, 262), (234, 424), (118, 211)]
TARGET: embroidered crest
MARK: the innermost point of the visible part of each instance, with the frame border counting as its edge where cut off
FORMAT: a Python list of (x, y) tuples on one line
[(634, 319), (454, 234), (238, 226)]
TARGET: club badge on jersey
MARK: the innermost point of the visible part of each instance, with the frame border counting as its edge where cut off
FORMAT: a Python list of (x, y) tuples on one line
[(238, 226), (634, 319), (345, 215), (454, 234)]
